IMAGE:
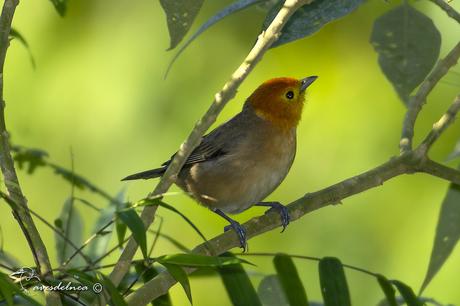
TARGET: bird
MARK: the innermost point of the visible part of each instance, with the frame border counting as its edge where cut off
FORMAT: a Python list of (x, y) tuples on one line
[(239, 163)]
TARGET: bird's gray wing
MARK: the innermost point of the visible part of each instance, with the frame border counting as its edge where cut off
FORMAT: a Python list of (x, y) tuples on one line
[(218, 142), (211, 147)]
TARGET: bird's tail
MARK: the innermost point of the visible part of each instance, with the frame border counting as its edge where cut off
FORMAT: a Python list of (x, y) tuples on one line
[(145, 175)]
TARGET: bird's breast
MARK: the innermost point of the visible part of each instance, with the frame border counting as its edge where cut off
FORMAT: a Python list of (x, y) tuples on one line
[(245, 174)]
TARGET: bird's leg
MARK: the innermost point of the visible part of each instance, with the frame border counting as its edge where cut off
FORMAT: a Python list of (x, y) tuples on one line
[(281, 209), (237, 227)]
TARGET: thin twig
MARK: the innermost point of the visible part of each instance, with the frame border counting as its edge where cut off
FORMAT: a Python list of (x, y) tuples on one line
[(91, 238), (442, 124), (416, 102), (9, 172), (264, 41), (448, 9)]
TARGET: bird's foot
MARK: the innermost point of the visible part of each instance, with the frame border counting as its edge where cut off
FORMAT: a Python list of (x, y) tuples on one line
[(241, 233), (280, 209), (237, 227)]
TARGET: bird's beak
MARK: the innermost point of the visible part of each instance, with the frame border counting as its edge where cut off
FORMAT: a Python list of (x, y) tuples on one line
[(307, 82)]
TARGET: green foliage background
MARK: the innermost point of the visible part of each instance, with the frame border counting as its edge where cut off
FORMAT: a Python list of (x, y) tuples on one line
[(98, 88)]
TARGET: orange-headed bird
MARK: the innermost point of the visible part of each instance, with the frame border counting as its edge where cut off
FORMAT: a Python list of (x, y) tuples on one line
[(242, 161)]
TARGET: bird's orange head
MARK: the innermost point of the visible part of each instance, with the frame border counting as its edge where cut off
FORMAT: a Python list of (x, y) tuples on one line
[(281, 100)]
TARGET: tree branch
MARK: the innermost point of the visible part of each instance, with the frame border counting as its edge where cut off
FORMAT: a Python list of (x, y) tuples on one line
[(7, 165), (441, 171), (448, 9), (259, 225), (264, 41), (408, 163), (416, 102)]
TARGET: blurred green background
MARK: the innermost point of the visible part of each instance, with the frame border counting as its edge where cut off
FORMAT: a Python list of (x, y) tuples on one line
[(98, 90)]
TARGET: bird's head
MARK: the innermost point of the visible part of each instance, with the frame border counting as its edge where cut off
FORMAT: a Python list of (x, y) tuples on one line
[(281, 100)]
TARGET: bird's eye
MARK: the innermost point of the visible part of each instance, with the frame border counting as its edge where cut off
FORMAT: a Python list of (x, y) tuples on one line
[(290, 95)]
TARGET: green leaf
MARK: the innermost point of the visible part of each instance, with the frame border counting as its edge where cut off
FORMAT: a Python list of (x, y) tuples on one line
[(180, 15), (8, 260), (388, 290), (238, 286), (194, 260), (135, 224), (8, 289), (148, 273), (120, 226), (271, 293), (60, 6), (179, 275), (408, 45), (16, 35), (310, 18), (228, 10), (71, 225), (447, 233), (115, 296), (98, 246), (407, 293), (290, 280), (6, 292), (333, 282), (30, 158)]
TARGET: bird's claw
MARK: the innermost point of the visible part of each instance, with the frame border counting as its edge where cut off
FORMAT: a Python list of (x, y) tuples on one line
[(240, 232), (282, 211)]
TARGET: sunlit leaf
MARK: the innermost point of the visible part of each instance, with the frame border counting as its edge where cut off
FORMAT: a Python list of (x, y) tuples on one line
[(447, 233), (180, 15), (408, 45), (71, 225), (388, 290), (98, 246), (179, 275), (238, 285), (310, 18), (271, 293), (194, 260), (228, 10), (60, 6), (333, 283), (135, 224), (8, 290), (290, 280), (407, 293)]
